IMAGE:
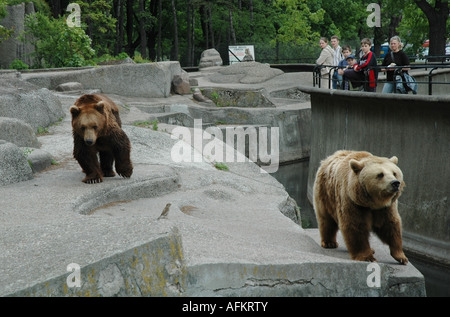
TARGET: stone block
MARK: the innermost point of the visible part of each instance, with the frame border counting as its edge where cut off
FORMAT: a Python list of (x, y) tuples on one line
[(70, 86), (18, 132), (14, 166), (210, 58), (181, 84)]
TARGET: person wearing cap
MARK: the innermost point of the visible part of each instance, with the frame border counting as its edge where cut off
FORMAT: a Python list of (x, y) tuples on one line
[(351, 61)]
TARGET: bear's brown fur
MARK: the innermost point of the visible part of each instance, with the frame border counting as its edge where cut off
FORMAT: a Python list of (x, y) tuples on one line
[(357, 193), (97, 128)]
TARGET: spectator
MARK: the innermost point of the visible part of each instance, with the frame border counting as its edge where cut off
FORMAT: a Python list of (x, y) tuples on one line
[(357, 75), (351, 61), (325, 60), (338, 57), (342, 66), (395, 57)]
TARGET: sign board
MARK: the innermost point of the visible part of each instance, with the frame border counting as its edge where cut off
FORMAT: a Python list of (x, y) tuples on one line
[(241, 53)]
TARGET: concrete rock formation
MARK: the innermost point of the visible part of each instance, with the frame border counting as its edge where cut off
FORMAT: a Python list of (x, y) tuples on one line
[(36, 106), (210, 58), (245, 73), (18, 132), (14, 166), (180, 84), (70, 86)]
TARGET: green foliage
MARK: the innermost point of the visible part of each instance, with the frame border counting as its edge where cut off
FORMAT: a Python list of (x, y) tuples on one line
[(56, 44), (295, 22), (18, 64), (280, 30), (4, 32), (221, 166), (102, 25)]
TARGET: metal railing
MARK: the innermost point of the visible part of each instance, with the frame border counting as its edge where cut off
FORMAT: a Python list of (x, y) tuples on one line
[(317, 76)]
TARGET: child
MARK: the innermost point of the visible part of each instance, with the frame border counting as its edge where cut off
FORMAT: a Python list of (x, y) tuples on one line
[(357, 75), (350, 60), (346, 51)]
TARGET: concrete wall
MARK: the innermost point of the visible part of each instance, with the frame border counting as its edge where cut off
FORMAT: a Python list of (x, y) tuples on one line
[(151, 80), (414, 128)]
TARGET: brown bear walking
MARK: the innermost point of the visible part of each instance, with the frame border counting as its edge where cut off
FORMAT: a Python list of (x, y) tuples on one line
[(357, 193), (97, 129)]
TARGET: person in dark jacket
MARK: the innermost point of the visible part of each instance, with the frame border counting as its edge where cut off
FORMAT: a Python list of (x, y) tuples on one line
[(395, 57), (362, 73)]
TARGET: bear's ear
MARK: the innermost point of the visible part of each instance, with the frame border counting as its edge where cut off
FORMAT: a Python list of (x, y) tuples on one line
[(100, 106), (356, 166), (75, 111), (394, 160)]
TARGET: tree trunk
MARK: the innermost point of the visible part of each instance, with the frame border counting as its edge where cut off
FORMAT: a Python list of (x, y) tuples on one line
[(159, 51), (252, 22), (129, 28), (205, 27), (189, 33), (118, 10), (437, 18), (142, 32), (232, 32), (393, 25), (175, 33), (211, 32)]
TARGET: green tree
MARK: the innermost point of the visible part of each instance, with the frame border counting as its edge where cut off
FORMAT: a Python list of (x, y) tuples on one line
[(4, 32), (295, 22), (56, 44), (437, 12)]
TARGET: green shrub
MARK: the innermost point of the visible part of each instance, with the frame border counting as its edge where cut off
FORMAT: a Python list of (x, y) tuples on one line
[(18, 64), (57, 44)]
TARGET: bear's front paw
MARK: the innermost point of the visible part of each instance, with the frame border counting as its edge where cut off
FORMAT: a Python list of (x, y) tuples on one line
[(125, 173), (365, 257), (92, 179), (329, 244), (400, 257)]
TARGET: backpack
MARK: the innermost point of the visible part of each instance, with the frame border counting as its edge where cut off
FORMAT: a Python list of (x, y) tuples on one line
[(405, 83)]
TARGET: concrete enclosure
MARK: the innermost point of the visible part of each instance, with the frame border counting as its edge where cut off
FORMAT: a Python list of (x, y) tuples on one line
[(416, 129)]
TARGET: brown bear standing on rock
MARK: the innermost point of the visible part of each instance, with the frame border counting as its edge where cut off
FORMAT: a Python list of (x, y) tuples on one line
[(97, 128), (357, 193)]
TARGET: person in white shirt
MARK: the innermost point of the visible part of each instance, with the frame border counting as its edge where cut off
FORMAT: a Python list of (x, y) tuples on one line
[(338, 57)]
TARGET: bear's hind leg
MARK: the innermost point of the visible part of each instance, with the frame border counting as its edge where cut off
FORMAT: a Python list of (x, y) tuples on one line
[(106, 163), (121, 153)]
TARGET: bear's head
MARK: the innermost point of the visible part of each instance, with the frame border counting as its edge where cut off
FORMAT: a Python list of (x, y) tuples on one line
[(89, 119), (380, 180)]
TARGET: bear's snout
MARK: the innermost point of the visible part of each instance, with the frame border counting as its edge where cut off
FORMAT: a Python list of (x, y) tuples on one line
[(395, 185), (89, 142)]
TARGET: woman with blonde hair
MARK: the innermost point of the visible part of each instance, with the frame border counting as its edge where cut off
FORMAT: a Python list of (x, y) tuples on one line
[(395, 57), (326, 59)]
